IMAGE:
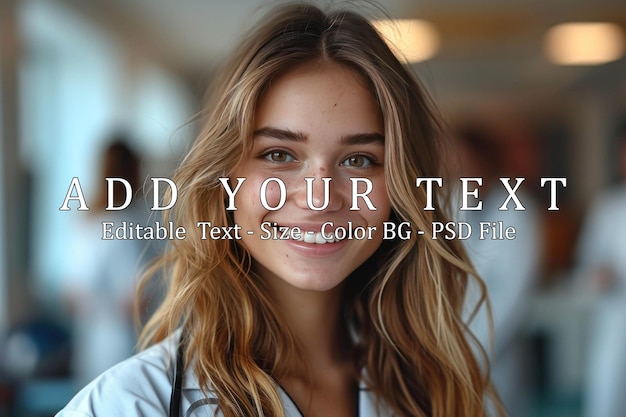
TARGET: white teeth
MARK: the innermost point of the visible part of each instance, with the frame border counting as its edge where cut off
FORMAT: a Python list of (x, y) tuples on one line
[(309, 237), (317, 238)]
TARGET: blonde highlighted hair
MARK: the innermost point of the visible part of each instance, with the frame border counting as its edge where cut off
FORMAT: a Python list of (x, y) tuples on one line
[(412, 345)]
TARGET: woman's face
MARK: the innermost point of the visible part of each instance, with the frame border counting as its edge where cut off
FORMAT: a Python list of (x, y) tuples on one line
[(313, 122)]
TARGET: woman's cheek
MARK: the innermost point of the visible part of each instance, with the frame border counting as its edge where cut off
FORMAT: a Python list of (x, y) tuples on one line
[(263, 191), (380, 199), (275, 192)]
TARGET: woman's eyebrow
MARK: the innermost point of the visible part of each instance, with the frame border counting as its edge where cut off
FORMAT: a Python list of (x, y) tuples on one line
[(362, 139), (282, 134), (290, 135)]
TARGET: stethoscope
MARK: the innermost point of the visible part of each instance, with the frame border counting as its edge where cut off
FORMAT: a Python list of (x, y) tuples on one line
[(177, 387), (178, 381)]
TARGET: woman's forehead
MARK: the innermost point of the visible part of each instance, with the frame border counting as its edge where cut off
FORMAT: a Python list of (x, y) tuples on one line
[(324, 92)]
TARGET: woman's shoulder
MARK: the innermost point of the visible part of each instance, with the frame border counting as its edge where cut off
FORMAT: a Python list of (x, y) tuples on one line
[(138, 386)]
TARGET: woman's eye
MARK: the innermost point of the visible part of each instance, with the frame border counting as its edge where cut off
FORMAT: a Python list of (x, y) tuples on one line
[(279, 156), (357, 161)]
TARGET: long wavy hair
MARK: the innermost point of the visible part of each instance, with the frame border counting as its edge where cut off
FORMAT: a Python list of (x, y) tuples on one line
[(415, 352)]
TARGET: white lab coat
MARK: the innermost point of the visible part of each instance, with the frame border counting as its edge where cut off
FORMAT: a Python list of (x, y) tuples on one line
[(142, 386), (101, 280)]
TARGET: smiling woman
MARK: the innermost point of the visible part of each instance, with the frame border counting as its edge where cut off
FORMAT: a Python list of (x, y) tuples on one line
[(309, 323)]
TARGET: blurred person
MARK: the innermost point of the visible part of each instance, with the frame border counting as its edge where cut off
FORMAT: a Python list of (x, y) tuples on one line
[(101, 282), (312, 323), (509, 268), (602, 263)]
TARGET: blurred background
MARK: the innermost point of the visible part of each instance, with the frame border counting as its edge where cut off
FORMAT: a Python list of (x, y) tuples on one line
[(108, 88)]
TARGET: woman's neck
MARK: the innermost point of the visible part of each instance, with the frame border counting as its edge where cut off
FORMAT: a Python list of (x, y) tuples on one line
[(325, 383), (316, 321)]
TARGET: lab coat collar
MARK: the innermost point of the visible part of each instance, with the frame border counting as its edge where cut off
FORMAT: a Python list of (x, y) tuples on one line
[(367, 400)]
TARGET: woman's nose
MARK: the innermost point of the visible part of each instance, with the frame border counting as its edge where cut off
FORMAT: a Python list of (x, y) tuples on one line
[(319, 191)]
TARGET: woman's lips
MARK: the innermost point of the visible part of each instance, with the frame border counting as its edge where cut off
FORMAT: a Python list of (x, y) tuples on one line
[(315, 233), (316, 249)]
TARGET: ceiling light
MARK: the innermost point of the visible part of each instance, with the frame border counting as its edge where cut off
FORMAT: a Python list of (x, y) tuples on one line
[(411, 40), (584, 43)]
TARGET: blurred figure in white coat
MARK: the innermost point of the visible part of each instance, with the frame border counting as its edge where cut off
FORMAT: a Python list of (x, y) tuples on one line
[(509, 268), (100, 285), (602, 264)]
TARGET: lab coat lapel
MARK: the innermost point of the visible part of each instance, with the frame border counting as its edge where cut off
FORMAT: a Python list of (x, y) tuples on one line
[(368, 406), (367, 399)]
